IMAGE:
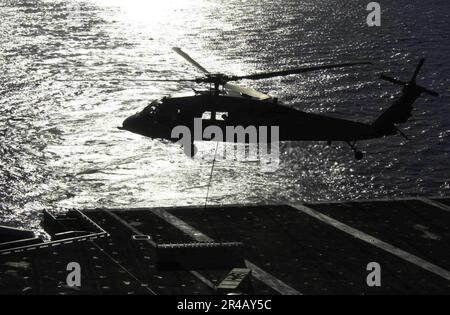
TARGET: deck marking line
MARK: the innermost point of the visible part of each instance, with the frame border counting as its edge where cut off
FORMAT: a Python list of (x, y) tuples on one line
[(257, 272), (203, 279), (181, 225), (270, 280), (137, 232), (122, 267), (435, 204), (132, 228), (375, 242)]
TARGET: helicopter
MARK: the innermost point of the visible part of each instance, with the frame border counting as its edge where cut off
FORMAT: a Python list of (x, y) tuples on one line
[(225, 104)]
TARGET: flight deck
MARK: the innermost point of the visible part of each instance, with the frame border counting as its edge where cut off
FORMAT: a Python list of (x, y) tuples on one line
[(290, 249)]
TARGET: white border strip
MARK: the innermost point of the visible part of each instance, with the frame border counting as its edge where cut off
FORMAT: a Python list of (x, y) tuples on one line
[(375, 242)]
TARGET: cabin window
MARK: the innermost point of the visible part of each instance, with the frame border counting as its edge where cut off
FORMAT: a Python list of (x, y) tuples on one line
[(218, 116), (206, 116), (221, 115)]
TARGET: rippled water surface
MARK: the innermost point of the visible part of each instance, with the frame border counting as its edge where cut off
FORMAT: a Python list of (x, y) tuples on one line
[(60, 148)]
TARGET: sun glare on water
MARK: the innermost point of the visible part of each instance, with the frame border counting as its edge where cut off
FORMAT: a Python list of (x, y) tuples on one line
[(158, 14)]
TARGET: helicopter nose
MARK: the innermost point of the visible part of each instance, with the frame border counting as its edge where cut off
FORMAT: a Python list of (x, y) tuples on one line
[(131, 123)]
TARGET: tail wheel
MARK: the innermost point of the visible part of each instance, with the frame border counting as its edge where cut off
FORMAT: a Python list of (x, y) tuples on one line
[(359, 155)]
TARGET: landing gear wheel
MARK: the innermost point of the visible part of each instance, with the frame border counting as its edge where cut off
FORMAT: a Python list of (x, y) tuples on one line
[(359, 155)]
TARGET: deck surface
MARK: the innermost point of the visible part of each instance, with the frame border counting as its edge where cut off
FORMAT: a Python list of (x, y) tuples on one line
[(320, 248)]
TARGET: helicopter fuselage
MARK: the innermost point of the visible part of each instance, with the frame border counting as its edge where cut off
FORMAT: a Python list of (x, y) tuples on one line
[(159, 119)]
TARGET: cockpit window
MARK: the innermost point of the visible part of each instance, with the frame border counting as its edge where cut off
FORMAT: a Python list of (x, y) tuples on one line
[(152, 108)]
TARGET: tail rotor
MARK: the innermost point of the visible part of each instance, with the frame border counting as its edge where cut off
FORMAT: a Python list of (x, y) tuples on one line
[(412, 82), (416, 73)]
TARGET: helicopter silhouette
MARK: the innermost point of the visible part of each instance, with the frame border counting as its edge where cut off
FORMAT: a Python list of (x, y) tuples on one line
[(225, 104)]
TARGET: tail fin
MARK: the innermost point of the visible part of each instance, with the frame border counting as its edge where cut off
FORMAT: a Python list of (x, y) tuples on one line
[(400, 111)]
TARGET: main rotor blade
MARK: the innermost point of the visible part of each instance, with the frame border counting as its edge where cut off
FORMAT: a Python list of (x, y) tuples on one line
[(129, 80), (240, 90), (418, 69), (266, 75), (392, 80), (189, 59)]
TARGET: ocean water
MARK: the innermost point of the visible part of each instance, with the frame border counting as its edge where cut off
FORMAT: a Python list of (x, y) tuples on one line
[(60, 148)]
